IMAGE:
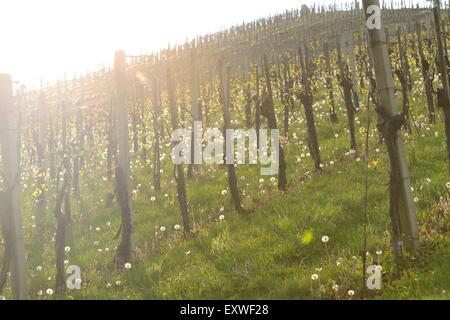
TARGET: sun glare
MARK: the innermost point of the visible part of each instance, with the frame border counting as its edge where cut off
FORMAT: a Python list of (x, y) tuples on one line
[(47, 38)]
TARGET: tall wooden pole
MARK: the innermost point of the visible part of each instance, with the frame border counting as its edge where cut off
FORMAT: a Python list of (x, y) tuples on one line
[(179, 170), (229, 155), (156, 114), (197, 116), (444, 94), (123, 171), (10, 149), (268, 111), (403, 214)]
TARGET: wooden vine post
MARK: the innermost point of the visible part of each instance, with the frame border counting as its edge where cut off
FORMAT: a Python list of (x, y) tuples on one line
[(306, 98), (141, 104), (111, 156), (426, 76), (156, 114), (444, 93), (123, 170), (268, 111), (62, 210), (10, 207), (329, 83), (346, 83), (179, 170), (350, 47), (231, 172), (403, 214), (62, 218), (286, 93), (196, 114), (402, 75), (257, 104)]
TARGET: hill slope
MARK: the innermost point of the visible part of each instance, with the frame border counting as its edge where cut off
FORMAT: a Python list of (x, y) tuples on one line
[(279, 245)]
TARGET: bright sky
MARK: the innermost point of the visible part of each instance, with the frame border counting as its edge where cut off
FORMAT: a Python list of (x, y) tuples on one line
[(45, 38)]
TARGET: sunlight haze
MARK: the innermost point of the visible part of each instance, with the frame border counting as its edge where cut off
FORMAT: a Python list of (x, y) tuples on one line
[(52, 37)]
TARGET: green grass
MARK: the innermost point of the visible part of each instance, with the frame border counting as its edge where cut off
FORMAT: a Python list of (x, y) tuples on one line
[(271, 251)]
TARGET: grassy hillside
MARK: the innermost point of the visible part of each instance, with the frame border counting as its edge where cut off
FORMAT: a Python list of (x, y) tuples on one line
[(277, 249)]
